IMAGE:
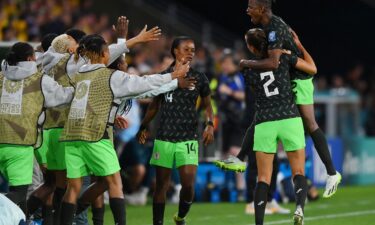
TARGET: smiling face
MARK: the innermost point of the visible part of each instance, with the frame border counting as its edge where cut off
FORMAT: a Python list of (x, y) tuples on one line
[(185, 51), (255, 11)]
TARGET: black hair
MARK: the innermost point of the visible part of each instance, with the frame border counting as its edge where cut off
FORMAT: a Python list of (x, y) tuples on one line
[(257, 38), (115, 64), (177, 41), (47, 40), (265, 3), (19, 52), (90, 46), (94, 43), (76, 34)]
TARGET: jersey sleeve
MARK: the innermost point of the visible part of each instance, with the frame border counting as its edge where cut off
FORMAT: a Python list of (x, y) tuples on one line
[(275, 39), (54, 93), (124, 84), (292, 59), (173, 85), (204, 87)]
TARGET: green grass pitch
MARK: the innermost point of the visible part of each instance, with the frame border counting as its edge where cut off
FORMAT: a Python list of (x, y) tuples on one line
[(350, 206)]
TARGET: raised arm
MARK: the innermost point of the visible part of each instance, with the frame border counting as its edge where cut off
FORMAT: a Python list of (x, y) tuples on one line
[(181, 82), (125, 85), (306, 63), (144, 36)]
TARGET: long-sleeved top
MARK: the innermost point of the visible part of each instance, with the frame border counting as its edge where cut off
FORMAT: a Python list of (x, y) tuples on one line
[(54, 93), (51, 58), (127, 86)]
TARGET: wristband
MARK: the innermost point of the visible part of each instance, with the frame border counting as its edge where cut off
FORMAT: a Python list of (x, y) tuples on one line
[(209, 123)]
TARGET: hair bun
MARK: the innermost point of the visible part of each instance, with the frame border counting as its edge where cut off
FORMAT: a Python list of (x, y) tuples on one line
[(11, 58)]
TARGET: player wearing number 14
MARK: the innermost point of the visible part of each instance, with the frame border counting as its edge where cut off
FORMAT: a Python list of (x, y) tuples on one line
[(176, 141)]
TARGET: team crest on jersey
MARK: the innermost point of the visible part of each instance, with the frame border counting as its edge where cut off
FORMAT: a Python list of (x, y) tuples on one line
[(81, 90), (79, 103), (11, 97), (157, 155), (272, 36)]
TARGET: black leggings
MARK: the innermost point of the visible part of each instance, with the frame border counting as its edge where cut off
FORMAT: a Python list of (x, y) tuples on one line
[(18, 194)]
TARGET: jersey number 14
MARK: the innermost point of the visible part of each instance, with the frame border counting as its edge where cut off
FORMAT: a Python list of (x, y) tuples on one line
[(265, 85)]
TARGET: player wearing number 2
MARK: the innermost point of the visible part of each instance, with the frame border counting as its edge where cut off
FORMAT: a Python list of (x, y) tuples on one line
[(277, 119), (176, 140)]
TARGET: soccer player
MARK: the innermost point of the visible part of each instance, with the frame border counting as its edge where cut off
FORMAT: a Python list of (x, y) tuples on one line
[(24, 94), (88, 130), (277, 119), (177, 137), (280, 37)]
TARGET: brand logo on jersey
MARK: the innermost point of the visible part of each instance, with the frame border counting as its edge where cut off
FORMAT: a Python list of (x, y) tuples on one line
[(272, 36), (157, 155), (81, 90), (299, 190)]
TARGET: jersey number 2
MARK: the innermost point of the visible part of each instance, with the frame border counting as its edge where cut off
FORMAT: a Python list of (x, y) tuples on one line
[(265, 85)]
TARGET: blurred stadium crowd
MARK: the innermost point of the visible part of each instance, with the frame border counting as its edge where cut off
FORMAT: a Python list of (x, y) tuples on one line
[(32, 20)]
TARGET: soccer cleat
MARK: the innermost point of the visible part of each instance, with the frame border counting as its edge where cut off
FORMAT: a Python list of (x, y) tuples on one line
[(274, 207), (232, 163), (298, 216), (331, 185), (178, 220), (250, 209)]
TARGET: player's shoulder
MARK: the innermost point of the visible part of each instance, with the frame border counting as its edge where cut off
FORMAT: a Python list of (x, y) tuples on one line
[(277, 20), (200, 76)]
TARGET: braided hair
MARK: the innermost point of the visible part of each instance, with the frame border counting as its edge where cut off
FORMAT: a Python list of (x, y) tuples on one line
[(90, 47)]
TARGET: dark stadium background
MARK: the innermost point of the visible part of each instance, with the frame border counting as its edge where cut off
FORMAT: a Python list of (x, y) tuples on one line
[(339, 33)]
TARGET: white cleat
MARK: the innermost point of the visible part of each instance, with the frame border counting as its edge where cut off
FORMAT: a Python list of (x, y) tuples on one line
[(250, 210), (274, 207), (298, 216), (331, 185)]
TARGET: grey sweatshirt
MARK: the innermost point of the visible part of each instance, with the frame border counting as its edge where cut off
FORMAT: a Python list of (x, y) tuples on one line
[(50, 58), (54, 93)]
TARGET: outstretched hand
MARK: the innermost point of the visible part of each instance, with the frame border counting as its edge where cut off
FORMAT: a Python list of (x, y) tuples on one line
[(149, 35), (121, 28)]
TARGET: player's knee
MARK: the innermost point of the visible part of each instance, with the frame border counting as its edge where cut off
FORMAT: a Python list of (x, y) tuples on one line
[(161, 187), (188, 188)]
